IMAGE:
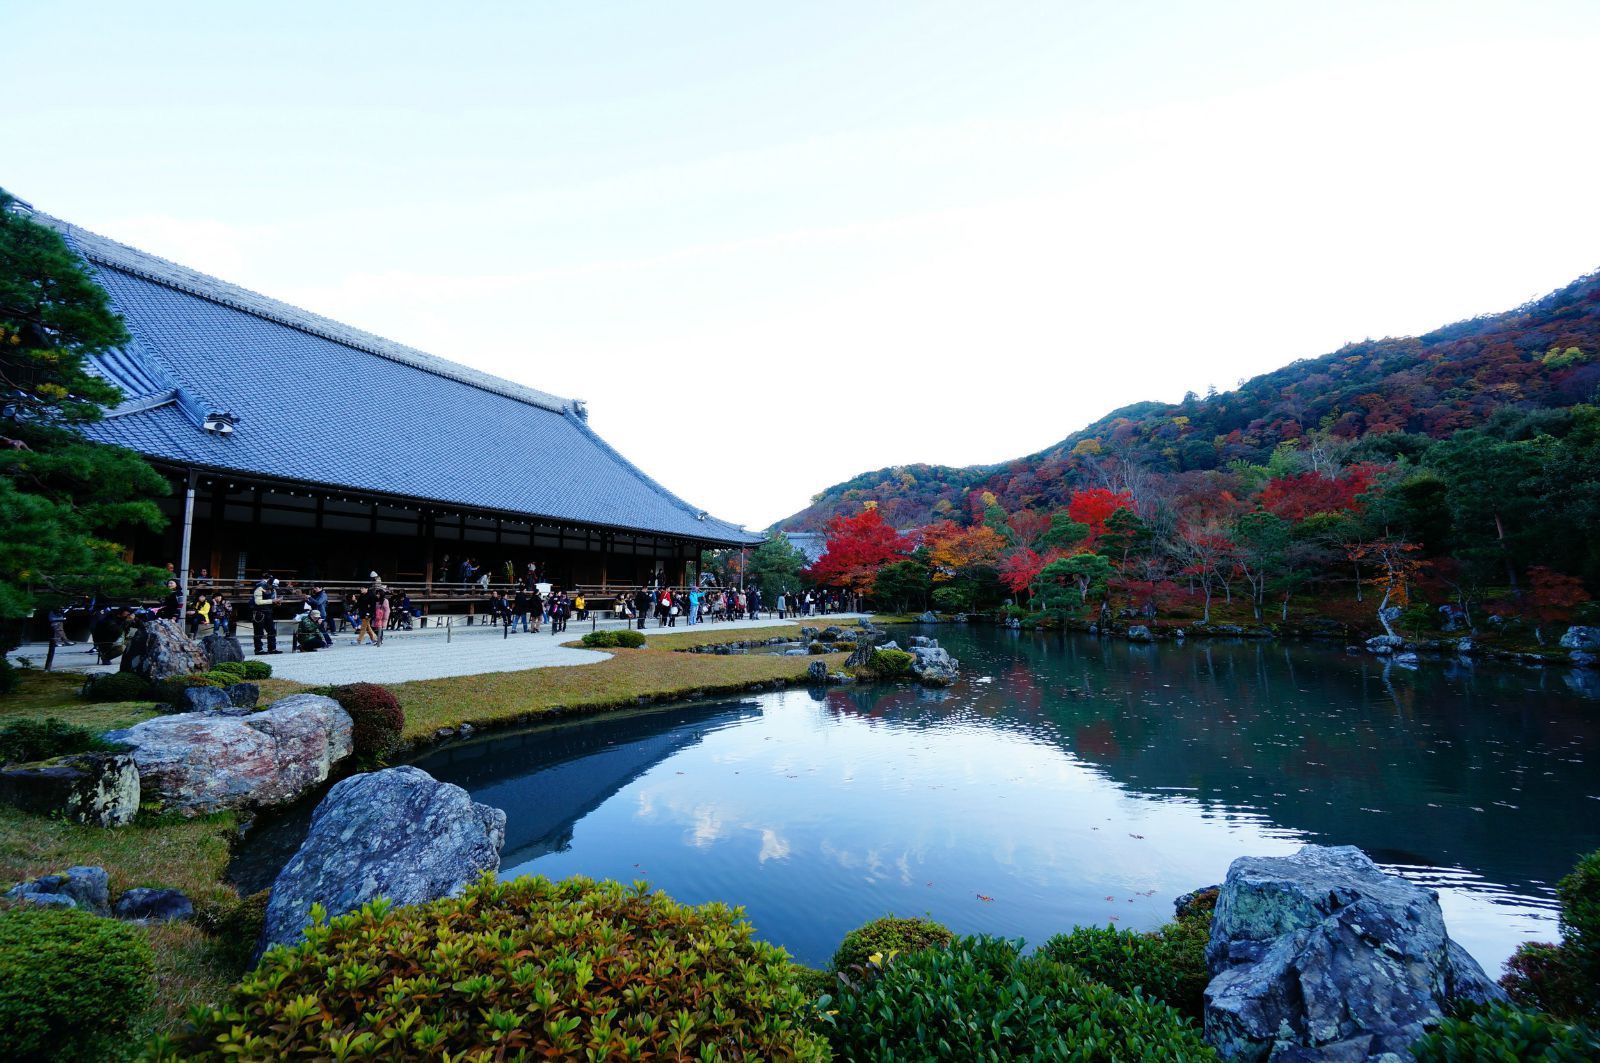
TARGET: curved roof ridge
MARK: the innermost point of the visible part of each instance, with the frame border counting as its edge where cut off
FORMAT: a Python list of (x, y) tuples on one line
[(108, 252)]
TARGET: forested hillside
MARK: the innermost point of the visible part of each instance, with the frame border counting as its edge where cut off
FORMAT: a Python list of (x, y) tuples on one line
[(1374, 400), (1451, 477)]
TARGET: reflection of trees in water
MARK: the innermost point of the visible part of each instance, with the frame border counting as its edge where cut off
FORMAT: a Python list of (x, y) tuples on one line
[(1353, 748)]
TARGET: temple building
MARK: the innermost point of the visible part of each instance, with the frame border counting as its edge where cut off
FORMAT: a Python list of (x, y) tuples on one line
[(318, 451)]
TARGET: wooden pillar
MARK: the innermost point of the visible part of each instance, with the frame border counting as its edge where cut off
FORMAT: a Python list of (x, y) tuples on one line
[(188, 539)]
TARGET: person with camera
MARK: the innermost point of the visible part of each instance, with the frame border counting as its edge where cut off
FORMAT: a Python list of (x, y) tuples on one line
[(262, 599)]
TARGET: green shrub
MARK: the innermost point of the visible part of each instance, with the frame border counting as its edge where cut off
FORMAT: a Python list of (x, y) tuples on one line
[(170, 690), (118, 686), (71, 983), (1186, 943), (10, 676), (951, 600), (254, 670), (1121, 959), (236, 927), (1579, 893), (890, 664), (977, 998), (889, 934), (233, 668), (629, 639), (814, 983), (22, 741), (1502, 1032), (524, 969), (1168, 965), (600, 639), (379, 719)]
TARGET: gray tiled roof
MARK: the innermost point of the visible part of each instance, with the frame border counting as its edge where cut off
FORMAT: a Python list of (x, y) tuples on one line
[(318, 402)]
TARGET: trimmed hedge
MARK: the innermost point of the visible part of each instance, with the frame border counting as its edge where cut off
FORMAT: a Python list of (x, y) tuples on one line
[(524, 969), (254, 670), (22, 741), (71, 983), (979, 999), (118, 686), (233, 668), (623, 638), (890, 664), (379, 719), (886, 935)]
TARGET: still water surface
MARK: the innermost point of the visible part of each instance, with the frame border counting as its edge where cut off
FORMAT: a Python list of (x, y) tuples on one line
[(1066, 780)]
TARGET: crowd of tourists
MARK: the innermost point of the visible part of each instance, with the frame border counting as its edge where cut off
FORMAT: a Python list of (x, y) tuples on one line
[(530, 605)]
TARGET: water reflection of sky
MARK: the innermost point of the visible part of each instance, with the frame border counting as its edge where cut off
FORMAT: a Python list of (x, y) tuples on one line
[(1072, 787)]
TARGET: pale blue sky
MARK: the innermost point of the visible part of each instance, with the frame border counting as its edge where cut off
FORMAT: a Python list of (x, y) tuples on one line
[(898, 232)]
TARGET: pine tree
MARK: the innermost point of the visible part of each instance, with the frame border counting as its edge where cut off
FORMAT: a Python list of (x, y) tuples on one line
[(62, 499)]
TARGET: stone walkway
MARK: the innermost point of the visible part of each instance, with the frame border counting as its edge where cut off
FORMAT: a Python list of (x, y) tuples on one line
[(433, 652)]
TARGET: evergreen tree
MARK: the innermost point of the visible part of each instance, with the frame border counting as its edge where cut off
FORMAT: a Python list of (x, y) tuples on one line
[(62, 498)]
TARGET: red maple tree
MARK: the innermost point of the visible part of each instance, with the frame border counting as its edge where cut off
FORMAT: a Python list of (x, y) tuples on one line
[(1305, 494), (1551, 598), (856, 548), (1094, 507)]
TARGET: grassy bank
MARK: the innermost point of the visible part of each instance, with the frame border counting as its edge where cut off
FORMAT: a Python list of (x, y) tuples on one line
[(654, 673)]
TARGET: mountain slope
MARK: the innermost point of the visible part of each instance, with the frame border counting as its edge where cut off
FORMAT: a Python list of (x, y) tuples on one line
[(1540, 355)]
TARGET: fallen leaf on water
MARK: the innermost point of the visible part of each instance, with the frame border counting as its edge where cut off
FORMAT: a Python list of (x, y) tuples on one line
[(1139, 836), (983, 897)]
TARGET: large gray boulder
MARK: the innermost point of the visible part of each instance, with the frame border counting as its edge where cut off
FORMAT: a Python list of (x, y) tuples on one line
[(199, 762), (397, 833), (100, 789), (1321, 955), (933, 666), (159, 650)]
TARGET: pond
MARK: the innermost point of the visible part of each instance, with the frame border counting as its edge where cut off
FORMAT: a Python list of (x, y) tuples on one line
[(1065, 780)]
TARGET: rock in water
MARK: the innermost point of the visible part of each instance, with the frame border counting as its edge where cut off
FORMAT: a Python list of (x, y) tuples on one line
[(1140, 633), (928, 617), (934, 666), (100, 789), (817, 672), (1581, 638), (160, 650), (397, 833), (199, 762), (220, 649), (1385, 644), (1321, 955)]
